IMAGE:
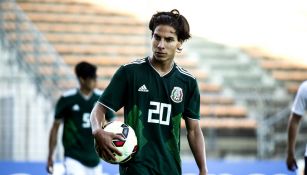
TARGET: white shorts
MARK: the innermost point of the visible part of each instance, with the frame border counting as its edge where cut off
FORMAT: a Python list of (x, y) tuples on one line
[(74, 167)]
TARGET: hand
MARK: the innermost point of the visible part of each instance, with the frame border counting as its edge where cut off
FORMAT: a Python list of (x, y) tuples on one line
[(291, 163), (104, 141), (49, 166), (205, 172)]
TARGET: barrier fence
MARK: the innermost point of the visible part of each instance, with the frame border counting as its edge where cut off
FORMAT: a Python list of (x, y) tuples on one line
[(189, 167)]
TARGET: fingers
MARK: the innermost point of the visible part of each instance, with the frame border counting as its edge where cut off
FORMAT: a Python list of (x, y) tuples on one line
[(292, 166), (106, 148), (49, 166), (116, 151), (110, 151), (119, 137), (50, 169)]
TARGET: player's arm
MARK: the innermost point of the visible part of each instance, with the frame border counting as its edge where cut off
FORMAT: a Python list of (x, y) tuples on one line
[(103, 138), (197, 144), (52, 144), (293, 125)]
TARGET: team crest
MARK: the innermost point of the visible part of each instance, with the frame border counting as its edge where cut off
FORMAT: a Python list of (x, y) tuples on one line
[(177, 95)]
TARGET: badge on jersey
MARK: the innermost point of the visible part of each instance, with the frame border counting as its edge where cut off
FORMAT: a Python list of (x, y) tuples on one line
[(76, 107), (177, 95)]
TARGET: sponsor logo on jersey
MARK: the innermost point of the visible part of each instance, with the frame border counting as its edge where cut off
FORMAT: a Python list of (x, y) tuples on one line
[(75, 107), (177, 94), (143, 88)]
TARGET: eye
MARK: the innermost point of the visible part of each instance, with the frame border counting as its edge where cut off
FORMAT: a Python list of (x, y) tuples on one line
[(169, 39), (156, 37)]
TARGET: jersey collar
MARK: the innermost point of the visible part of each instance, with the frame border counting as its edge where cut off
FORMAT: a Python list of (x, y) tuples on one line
[(168, 73)]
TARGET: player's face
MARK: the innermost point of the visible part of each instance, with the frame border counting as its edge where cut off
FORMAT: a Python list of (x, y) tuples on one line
[(88, 84), (164, 43)]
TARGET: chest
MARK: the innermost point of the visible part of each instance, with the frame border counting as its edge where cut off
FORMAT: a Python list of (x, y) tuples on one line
[(151, 87)]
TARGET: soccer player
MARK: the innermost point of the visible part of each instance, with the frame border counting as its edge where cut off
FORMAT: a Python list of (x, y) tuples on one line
[(73, 110), (298, 109), (155, 93)]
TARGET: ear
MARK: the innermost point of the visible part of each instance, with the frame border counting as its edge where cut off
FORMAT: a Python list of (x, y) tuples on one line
[(179, 44), (81, 80), (179, 49)]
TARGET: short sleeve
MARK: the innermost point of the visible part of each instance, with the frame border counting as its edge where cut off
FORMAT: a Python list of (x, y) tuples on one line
[(110, 115), (300, 102), (192, 102), (113, 96), (60, 109)]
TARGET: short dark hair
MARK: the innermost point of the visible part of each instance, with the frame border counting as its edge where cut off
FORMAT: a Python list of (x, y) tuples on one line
[(174, 19), (85, 70)]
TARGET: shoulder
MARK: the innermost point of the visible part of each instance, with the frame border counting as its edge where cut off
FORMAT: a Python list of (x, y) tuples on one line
[(67, 97), (132, 66), (135, 62), (304, 85), (185, 73), (69, 93), (303, 89)]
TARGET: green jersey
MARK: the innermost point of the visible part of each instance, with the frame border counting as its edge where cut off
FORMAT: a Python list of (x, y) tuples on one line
[(153, 107), (74, 109)]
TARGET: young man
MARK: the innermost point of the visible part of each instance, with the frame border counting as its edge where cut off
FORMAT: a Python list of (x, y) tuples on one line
[(298, 110), (155, 93), (73, 109)]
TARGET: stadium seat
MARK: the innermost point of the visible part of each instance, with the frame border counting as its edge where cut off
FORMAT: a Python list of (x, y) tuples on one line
[(289, 72), (105, 42)]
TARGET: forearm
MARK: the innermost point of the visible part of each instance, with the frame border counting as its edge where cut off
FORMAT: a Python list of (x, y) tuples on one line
[(292, 131), (97, 117), (197, 145), (52, 140)]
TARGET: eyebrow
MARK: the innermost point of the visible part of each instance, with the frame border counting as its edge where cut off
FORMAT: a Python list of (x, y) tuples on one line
[(170, 37)]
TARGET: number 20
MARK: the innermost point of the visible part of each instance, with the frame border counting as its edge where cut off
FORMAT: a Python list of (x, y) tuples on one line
[(159, 109)]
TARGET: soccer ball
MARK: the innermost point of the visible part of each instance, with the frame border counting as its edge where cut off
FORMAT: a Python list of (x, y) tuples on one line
[(127, 147)]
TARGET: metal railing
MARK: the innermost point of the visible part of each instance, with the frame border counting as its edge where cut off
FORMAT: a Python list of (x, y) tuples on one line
[(34, 53)]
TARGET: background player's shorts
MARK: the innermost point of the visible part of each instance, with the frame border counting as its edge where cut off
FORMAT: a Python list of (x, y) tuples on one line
[(74, 167)]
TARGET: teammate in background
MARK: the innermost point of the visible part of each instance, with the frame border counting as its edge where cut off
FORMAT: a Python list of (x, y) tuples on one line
[(298, 109), (155, 93), (73, 110)]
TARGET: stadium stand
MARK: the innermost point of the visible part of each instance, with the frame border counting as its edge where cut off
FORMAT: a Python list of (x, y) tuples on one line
[(78, 30), (104, 41), (288, 74)]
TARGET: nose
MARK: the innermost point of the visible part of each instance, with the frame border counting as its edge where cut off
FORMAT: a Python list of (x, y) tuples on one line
[(161, 44)]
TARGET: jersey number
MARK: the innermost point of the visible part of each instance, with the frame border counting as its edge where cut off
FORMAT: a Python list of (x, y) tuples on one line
[(86, 120), (157, 114)]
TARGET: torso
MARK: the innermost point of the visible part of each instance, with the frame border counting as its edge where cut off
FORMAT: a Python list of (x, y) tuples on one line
[(154, 106)]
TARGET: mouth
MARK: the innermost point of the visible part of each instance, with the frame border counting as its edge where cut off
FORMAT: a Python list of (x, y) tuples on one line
[(160, 53)]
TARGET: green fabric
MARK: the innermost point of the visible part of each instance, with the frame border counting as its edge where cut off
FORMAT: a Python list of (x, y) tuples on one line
[(153, 107), (77, 137)]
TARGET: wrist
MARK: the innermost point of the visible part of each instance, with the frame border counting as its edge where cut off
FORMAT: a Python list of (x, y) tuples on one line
[(94, 132), (203, 170), (49, 157)]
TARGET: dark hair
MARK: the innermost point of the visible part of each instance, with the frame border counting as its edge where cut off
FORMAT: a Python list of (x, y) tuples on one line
[(85, 70), (174, 19)]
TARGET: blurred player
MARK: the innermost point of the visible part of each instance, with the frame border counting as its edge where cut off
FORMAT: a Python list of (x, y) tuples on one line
[(73, 110), (155, 93), (298, 109)]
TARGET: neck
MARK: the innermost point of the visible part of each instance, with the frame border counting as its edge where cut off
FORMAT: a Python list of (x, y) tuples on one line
[(85, 92), (162, 67)]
